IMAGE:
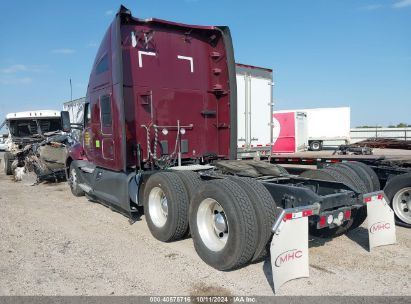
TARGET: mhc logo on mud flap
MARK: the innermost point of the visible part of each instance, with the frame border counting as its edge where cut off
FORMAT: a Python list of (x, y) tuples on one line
[(288, 256), (379, 226)]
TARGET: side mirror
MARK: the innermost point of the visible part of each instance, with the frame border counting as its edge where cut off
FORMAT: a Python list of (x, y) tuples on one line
[(65, 121)]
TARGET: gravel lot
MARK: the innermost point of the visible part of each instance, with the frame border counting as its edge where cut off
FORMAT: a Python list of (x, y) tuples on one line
[(52, 243)]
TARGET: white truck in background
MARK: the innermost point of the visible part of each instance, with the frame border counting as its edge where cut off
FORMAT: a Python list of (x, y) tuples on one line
[(254, 111), (76, 110), (36, 145), (311, 129)]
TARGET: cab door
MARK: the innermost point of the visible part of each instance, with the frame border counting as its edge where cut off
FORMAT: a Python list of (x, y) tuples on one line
[(87, 134), (98, 139)]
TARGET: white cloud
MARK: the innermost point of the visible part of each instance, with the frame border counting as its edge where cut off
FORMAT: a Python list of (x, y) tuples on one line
[(91, 44), (63, 51), (19, 74), (14, 69), (17, 68), (402, 4), (12, 80), (109, 12)]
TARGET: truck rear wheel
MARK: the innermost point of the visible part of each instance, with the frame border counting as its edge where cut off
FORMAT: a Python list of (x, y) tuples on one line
[(166, 206), (362, 181), (366, 181), (356, 174), (355, 181), (317, 174), (341, 175), (329, 175), (398, 191), (370, 172), (74, 181), (191, 181), (316, 145), (265, 209), (7, 161), (222, 223)]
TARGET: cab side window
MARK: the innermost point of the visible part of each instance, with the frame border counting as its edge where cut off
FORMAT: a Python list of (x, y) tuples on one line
[(102, 65), (105, 112), (87, 115)]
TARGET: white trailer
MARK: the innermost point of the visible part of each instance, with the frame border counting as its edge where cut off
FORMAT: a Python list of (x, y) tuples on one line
[(323, 127), (76, 111), (327, 127), (254, 110)]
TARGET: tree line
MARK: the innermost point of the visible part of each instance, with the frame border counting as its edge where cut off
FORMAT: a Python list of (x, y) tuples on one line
[(400, 125)]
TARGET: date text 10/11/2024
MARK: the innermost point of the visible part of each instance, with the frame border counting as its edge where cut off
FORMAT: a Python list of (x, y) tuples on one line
[(203, 299)]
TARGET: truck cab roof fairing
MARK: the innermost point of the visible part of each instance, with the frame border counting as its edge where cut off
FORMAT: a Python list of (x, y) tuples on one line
[(216, 89)]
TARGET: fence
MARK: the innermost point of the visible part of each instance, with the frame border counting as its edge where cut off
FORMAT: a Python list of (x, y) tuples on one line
[(359, 134)]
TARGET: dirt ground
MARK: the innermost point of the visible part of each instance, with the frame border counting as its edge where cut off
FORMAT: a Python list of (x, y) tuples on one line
[(52, 243)]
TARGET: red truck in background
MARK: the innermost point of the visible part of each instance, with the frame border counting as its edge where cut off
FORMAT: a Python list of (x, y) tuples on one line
[(159, 132)]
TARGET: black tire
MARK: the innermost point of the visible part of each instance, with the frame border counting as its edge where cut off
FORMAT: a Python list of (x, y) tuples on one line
[(396, 185), (266, 212), (353, 180), (316, 145), (359, 216), (74, 181), (341, 176), (327, 175), (371, 174), (241, 235), (8, 160), (283, 170), (362, 180), (358, 172), (318, 174), (191, 181), (173, 225)]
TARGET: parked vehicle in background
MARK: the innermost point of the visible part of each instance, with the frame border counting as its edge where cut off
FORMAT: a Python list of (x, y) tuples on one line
[(36, 145), (75, 108), (3, 143), (320, 128), (254, 110), (289, 131)]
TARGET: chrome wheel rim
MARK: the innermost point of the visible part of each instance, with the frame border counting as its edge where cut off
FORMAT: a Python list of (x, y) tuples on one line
[(401, 203), (212, 224), (158, 207)]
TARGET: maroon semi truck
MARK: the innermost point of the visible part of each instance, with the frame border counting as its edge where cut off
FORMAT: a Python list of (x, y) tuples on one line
[(159, 137)]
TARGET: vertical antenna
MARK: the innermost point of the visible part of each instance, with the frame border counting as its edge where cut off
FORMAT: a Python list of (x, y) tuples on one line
[(71, 91)]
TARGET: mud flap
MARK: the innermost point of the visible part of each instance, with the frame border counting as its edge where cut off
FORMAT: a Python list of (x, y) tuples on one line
[(289, 246), (380, 220)]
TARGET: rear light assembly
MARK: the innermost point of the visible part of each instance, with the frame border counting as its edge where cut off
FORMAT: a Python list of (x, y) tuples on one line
[(336, 217)]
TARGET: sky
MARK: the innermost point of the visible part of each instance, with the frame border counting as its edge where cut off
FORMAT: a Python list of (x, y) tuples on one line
[(324, 53)]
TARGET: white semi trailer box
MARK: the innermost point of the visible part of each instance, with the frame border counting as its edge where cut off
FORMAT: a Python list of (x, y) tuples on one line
[(321, 127), (254, 110), (328, 127), (76, 111)]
